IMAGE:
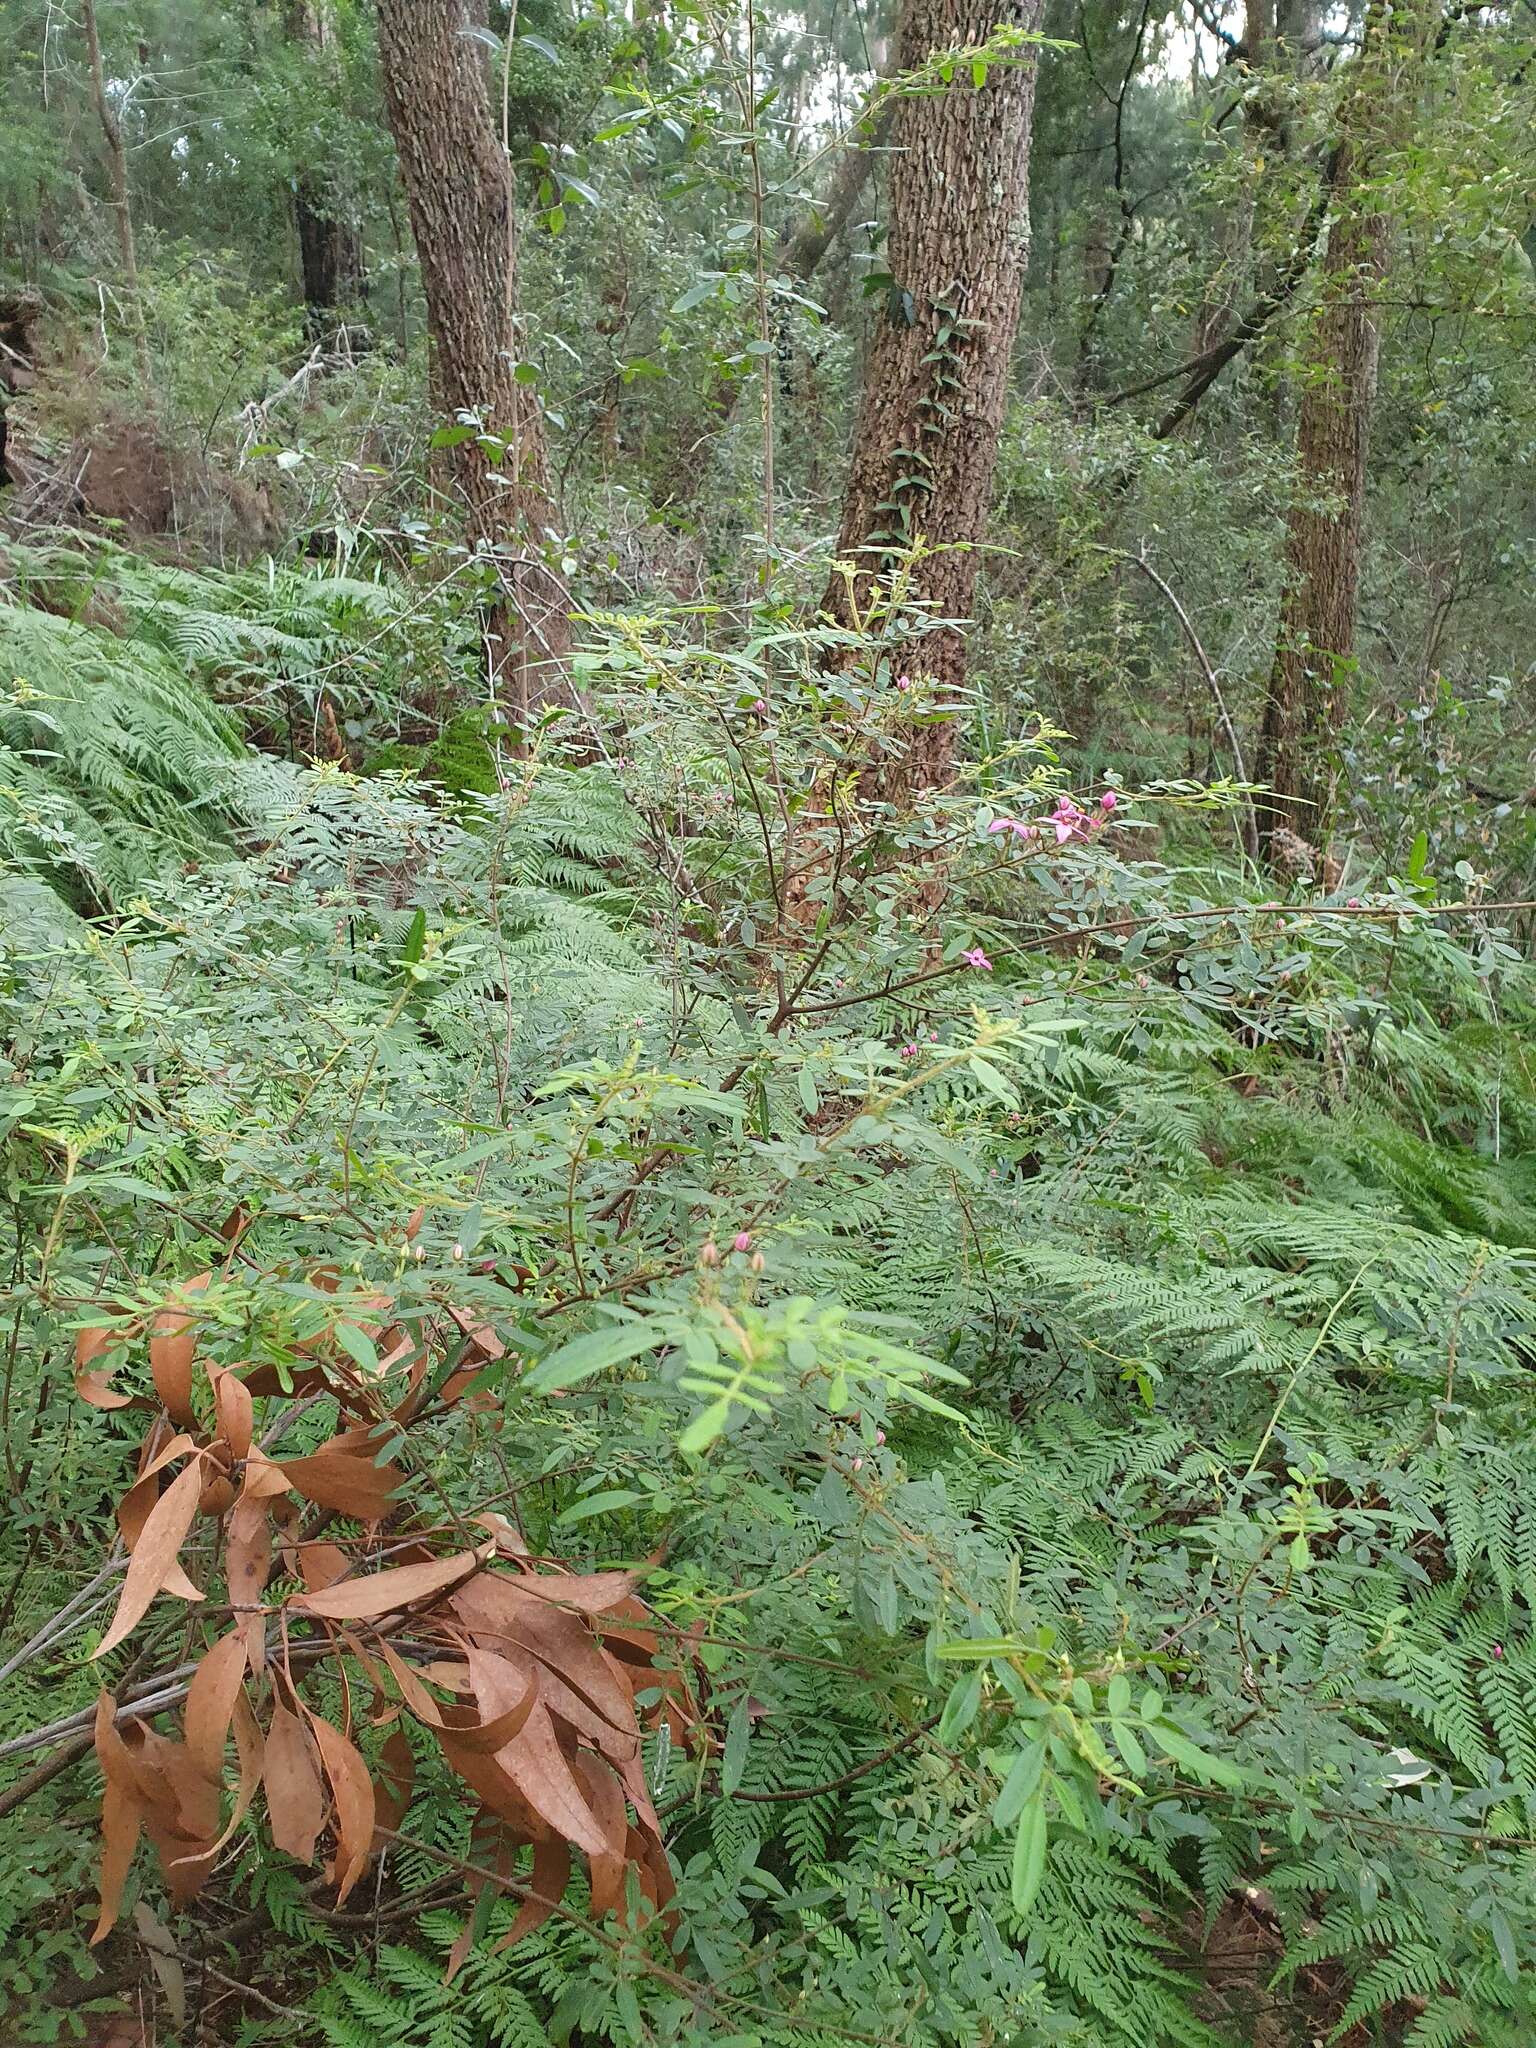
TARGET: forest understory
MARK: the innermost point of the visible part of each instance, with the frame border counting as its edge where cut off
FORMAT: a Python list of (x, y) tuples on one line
[(767, 879)]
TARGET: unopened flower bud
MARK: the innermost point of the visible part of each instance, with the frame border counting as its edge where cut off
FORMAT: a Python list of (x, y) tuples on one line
[(757, 1262), (743, 1241), (858, 1464), (710, 1255), (458, 1251), (879, 1436)]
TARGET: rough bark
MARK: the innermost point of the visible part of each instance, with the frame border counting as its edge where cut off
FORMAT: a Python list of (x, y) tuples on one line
[(459, 187), (935, 382), (1325, 528), (330, 243)]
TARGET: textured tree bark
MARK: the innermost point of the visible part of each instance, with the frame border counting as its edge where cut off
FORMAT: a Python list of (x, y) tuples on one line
[(459, 187), (1325, 529), (936, 379), (330, 245)]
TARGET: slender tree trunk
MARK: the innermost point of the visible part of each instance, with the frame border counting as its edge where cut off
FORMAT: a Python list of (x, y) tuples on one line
[(459, 186), (796, 259), (330, 244), (935, 383), (1218, 307), (1325, 529), (117, 161)]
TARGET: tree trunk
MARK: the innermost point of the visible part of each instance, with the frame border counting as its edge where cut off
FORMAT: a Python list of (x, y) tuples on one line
[(117, 160), (1256, 56), (459, 186), (796, 259), (936, 380), (1325, 528), (330, 244)]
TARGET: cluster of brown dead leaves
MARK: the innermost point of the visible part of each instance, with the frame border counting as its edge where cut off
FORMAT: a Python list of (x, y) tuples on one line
[(525, 1678)]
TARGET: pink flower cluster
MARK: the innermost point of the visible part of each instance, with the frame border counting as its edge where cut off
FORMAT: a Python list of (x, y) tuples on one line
[(1067, 821)]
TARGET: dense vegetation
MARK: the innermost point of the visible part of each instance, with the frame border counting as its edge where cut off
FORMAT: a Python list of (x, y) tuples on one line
[(770, 1252)]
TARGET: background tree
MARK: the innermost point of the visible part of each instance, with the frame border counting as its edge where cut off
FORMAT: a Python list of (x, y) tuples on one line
[(936, 376), (1325, 525), (463, 207)]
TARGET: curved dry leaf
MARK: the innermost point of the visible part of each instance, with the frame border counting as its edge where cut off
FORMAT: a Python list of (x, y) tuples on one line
[(295, 1797), (351, 1485), (597, 1593), (474, 1738), (121, 1816), (537, 1766), (152, 1566), (605, 1796), (546, 1888), (248, 1554), (354, 1800), (172, 1342), (497, 1612), (96, 1387), (211, 1697), (567, 1705), (506, 1697), (396, 1782), (388, 1591), (321, 1564), (233, 1410)]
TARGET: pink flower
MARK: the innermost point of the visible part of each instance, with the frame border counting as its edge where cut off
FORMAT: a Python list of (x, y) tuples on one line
[(1108, 800), (761, 704), (977, 958), (743, 1241), (1069, 821), (1003, 825), (1353, 903), (903, 682), (1498, 1652), (909, 1052)]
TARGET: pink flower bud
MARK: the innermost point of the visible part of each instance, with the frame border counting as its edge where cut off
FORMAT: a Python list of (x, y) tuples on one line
[(1498, 1653), (879, 1436), (858, 1464), (1108, 800), (710, 1255), (743, 1241)]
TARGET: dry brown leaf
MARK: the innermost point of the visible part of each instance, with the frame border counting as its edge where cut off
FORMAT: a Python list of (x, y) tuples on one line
[(396, 1782), (354, 1802), (211, 1697), (597, 1593), (153, 1567), (388, 1591), (295, 1798), (172, 1342), (551, 1875), (233, 1410), (353, 1486), (537, 1766), (121, 1816), (497, 1612)]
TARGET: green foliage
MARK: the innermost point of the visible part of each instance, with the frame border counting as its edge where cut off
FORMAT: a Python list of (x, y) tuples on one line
[(1085, 1434)]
